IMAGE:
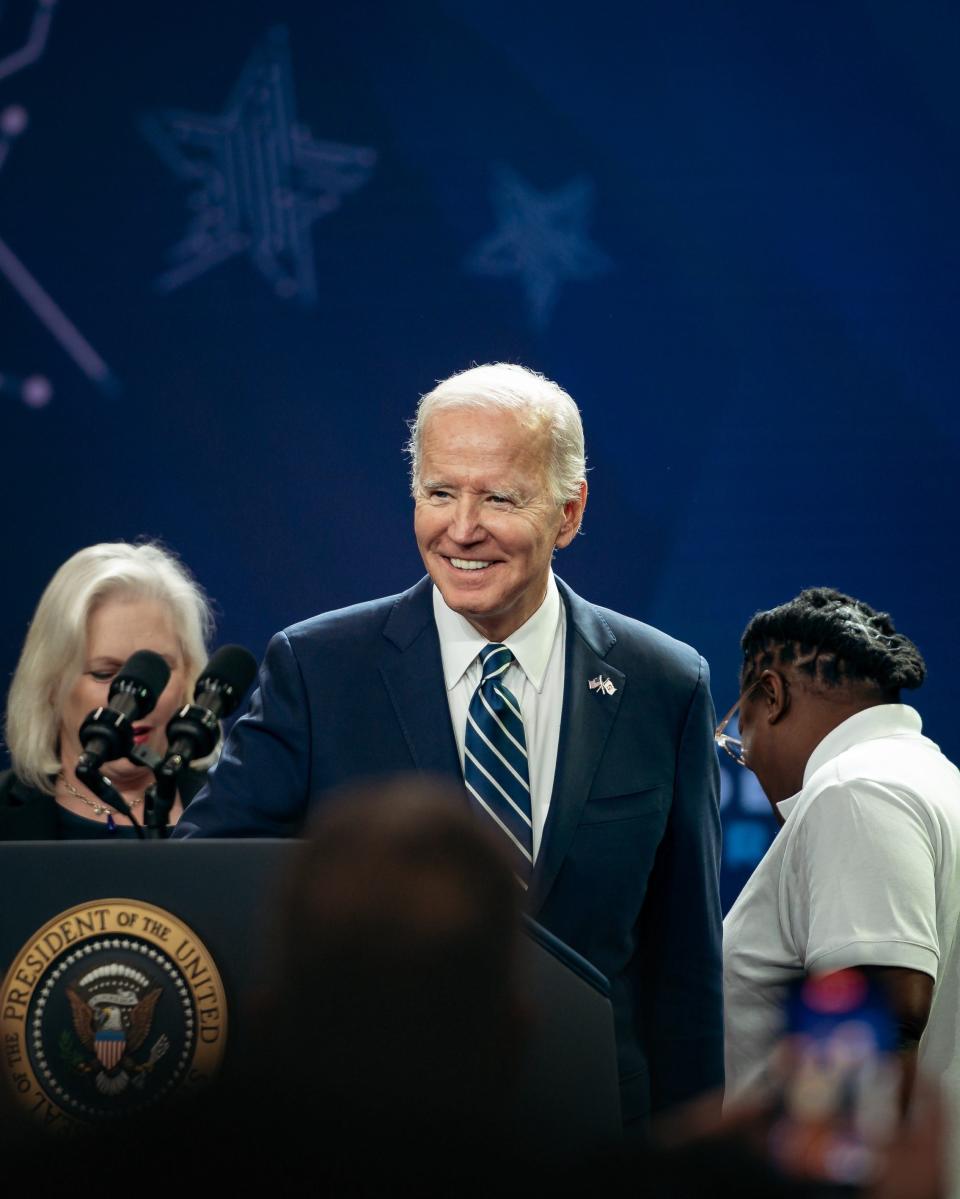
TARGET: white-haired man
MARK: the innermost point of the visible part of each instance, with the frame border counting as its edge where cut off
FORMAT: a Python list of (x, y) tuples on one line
[(584, 736)]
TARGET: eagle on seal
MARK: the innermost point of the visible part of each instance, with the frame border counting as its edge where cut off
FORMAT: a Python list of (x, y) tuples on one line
[(103, 1030)]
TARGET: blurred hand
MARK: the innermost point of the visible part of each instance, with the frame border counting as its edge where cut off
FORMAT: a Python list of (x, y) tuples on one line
[(915, 1166)]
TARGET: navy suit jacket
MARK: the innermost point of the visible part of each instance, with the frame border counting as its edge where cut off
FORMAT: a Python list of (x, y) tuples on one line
[(627, 870)]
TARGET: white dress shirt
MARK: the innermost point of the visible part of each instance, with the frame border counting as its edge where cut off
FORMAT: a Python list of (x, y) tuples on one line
[(535, 677)]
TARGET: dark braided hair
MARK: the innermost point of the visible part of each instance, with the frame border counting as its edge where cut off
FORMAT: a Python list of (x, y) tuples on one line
[(834, 639)]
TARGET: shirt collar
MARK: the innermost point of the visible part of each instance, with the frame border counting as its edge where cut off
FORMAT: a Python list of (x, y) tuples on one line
[(883, 720), (531, 644), (786, 806)]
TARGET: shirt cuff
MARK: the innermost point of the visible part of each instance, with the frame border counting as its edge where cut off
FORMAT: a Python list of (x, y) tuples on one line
[(907, 954)]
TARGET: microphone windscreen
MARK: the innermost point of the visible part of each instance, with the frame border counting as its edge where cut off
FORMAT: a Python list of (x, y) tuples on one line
[(145, 670), (232, 667)]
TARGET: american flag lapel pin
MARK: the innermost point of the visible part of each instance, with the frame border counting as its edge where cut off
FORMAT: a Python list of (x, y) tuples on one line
[(602, 685)]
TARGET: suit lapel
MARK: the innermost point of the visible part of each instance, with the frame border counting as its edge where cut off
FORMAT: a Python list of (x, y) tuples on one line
[(585, 725), (413, 676)]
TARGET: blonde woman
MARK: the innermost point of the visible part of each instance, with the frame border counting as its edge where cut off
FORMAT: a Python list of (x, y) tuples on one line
[(103, 604)]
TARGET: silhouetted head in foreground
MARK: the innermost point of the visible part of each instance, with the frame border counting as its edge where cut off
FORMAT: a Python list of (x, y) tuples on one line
[(396, 992)]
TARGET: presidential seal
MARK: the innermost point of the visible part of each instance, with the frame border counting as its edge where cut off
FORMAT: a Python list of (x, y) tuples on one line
[(109, 1007)]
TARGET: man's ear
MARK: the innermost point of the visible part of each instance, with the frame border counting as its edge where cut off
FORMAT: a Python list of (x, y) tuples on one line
[(774, 695), (572, 518)]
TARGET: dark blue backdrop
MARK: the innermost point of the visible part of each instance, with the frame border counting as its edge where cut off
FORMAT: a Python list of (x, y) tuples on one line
[(237, 240)]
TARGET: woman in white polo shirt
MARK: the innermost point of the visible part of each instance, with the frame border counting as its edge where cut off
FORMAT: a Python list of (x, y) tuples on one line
[(865, 871)]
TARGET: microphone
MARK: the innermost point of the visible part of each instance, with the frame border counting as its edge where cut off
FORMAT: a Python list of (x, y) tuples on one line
[(107, 733), (194, 730)]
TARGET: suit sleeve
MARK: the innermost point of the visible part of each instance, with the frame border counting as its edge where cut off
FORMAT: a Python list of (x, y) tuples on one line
[(260, 785), (681, 923)]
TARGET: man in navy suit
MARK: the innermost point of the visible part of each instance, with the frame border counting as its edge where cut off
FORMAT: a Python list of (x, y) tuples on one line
[(583, 735)]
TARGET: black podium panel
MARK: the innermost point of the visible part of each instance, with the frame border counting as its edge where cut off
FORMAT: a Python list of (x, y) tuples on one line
[(226, 893)]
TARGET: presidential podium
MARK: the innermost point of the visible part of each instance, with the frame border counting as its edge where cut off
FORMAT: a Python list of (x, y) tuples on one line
[(129, 970)]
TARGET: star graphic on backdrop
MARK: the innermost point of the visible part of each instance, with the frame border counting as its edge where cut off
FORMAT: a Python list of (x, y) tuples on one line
[(262, 179), (542, 238)]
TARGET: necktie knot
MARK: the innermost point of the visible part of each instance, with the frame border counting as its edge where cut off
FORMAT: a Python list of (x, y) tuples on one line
[(494, 660)]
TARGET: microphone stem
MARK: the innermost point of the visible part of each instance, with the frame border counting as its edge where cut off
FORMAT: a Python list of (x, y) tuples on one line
[(161, 797)]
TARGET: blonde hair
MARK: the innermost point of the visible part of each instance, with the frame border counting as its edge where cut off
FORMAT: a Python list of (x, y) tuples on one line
[(534, 398), (55, 645)]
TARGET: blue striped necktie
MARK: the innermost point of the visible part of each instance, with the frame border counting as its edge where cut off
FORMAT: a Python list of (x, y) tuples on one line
[(495, 758)]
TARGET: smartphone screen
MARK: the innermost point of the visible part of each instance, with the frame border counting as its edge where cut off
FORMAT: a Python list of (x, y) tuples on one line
[(837, 1077)]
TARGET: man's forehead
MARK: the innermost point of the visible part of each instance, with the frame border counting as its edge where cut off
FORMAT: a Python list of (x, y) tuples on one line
[(483, 472), (483, 449)]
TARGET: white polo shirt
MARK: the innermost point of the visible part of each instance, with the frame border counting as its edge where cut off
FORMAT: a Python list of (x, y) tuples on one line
[(864, 871), (535, 677)]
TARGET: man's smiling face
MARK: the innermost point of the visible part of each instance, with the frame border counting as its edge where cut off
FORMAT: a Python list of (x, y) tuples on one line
[(485, 520)]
